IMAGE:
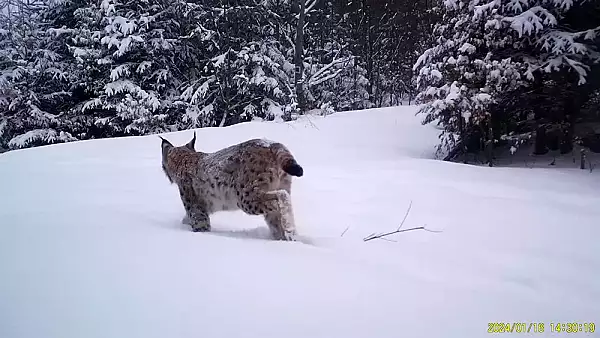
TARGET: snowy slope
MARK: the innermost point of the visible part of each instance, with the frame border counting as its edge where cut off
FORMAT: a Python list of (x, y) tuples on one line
[(91, 243)]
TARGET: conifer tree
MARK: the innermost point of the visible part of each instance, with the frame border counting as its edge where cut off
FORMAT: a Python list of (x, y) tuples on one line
[(486, 49)]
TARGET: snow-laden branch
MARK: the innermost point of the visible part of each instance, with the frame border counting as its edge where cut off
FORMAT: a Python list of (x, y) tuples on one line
[(323, 74), (309, 5), (244, 103), (289, 39), (589, 34), (531, 21), (326, 78)]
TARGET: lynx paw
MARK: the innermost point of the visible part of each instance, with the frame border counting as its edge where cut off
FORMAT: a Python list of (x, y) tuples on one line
[(290, 236), (197, 226), (286, 236), (201, 228)]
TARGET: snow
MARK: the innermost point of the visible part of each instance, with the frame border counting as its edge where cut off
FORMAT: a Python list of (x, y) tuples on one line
[(200, 92), (436, 73), (59, 31), (219, 60), (92, 242), (483, 97), (273, 109), (143, 66), (3, 124), (127, 26), (117, 72), (531, 21), (467, 47)]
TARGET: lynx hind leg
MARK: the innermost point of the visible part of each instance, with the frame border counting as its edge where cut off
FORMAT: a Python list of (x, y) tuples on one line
[(279, 215), (196, 215), (274, 205), (286, 184)]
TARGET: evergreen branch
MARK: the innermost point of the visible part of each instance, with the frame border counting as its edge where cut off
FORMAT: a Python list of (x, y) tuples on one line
[(318, 77)]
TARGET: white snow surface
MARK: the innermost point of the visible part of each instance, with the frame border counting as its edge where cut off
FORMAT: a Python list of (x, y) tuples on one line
[(92, 243)]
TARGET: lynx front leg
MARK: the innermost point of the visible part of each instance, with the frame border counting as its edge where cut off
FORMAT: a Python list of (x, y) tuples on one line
[(195, 210)]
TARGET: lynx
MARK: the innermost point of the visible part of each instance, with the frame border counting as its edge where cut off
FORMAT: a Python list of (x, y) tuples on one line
[(254, 176)]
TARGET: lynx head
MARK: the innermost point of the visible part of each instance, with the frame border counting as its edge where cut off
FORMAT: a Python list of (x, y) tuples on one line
[(167, 148)]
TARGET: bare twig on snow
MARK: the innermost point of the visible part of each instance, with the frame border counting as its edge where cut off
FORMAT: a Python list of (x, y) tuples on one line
[(398, 230)]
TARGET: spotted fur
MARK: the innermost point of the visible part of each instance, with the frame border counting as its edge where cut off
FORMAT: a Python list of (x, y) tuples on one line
[(254, 176)]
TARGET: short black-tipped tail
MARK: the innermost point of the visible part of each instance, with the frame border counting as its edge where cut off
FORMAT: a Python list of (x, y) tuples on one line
[(293, 169)]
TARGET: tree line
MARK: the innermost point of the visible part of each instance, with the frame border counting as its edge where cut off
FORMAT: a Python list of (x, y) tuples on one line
[(493, 74), (78, 69)]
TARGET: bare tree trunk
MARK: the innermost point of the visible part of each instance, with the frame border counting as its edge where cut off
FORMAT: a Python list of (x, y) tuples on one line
[(299, 55), (355, 86), (461, 132), (490, 141)]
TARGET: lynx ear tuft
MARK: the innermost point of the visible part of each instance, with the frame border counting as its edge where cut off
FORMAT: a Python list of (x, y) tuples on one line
[(165, 144), (190, 145)]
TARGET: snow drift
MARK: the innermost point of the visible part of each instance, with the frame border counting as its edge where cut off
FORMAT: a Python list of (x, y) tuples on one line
[(92, 245)]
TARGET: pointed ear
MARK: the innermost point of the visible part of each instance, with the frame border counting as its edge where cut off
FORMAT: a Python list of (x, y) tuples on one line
[(190, 145), (165, 144)]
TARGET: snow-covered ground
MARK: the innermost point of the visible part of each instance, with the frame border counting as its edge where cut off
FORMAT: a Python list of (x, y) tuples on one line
[(92, 245)]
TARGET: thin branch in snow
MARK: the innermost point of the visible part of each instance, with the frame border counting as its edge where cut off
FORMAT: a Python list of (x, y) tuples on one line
[(389, 240), (344, 232), (381, 236), (398, 230), (405, 215)]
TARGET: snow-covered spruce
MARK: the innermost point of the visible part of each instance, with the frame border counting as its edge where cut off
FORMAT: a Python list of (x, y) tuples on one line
[(485, 49)]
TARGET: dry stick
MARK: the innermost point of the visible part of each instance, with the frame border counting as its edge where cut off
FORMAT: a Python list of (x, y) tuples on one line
[(401, 223), (342, 235), (405, 215), (380, 236), (389, 240)]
